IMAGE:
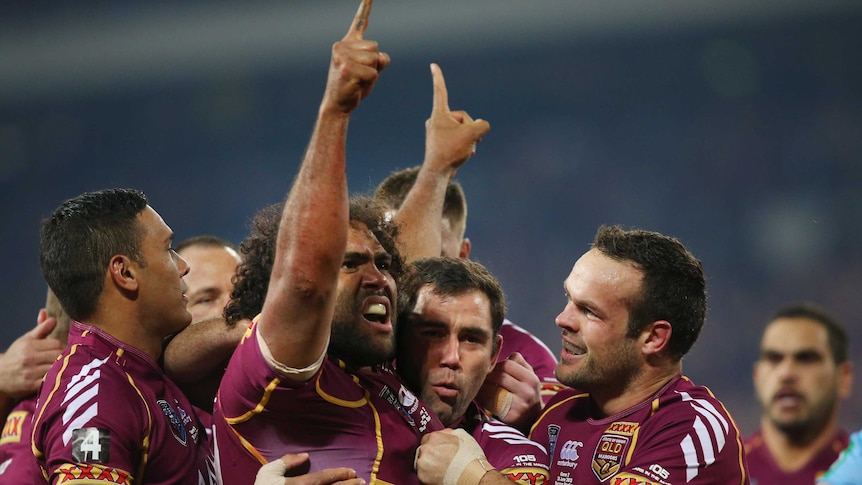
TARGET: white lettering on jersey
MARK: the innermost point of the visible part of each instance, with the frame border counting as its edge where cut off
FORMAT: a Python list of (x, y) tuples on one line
[(509, 435), (707, 439), (82, 388)]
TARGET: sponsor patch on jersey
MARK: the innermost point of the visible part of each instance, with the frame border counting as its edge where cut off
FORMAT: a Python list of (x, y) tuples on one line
[(553, 432), (72, 473), (14, 427), (622, 428), (526, 476), (396, 401), (91, 445), (608, 457), (177, 428), (631, 479)]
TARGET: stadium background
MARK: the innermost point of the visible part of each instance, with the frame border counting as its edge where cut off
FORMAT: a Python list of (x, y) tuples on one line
[(735, 126)]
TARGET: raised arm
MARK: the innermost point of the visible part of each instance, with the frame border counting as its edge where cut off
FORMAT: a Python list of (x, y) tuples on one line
[(297, 314), (450, 139)]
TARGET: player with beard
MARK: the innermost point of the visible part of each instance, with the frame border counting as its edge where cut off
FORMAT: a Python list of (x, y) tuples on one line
[(801, 377), (636, 304), (308, 375)]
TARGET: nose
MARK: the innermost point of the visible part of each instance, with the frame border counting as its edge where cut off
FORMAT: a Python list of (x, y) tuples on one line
[(566, 319), (373, 277), (786, 370), (451, 352), (182, 266)]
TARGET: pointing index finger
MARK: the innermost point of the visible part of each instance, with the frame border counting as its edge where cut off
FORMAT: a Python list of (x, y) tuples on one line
[(441, 96), (360, 21)]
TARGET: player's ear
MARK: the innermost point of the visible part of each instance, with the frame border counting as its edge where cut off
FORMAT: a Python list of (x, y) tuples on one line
[(845, 379), (656, 337), (498, 345), (465, 248), (123, 272)]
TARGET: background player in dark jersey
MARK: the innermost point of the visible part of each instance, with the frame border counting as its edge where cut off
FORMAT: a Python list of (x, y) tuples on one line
[(107, 411), (801, 377), (636, 304), (447, 340)]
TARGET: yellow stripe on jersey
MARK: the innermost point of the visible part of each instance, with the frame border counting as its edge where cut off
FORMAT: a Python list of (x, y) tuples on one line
[(37, 452), (259, 407), (548, 409), (145, 444), (340, 402)]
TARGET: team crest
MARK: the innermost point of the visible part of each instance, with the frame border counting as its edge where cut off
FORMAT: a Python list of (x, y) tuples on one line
[(177, 428), (611, 449)]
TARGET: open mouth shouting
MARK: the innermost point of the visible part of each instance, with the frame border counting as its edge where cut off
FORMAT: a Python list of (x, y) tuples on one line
[(376, 310)]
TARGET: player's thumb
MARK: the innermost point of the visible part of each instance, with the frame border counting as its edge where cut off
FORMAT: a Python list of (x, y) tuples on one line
[(44, 325)]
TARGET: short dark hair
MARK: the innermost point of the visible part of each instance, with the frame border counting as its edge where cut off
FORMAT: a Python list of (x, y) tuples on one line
[(205, 241), (674, 288), (394, 188), (450, 277), (836, 335), (258, 254), (78, 240)]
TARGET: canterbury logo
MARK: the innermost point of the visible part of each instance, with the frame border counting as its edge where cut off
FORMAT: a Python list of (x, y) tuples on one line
[(707, 438), (79, 398), (570, 450)]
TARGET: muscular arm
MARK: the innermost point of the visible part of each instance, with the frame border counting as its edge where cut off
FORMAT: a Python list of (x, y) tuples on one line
[(450, 139), (296, 317), (201, 349)]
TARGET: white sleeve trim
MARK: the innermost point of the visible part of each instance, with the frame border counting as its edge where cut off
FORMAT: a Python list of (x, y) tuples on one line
[(290, 372)]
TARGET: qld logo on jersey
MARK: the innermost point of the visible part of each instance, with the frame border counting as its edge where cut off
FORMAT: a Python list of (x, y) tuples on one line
[(177, 428), (611, 449)]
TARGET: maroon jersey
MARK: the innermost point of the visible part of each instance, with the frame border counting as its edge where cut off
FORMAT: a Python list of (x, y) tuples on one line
[(507, 449), (535, 352), (764, 470), (681, 435), (363, 419), (16, 454), (108, 414)]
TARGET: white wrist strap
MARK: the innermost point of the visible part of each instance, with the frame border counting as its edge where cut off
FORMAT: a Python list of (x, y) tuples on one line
[(289, 372), (469, 465)]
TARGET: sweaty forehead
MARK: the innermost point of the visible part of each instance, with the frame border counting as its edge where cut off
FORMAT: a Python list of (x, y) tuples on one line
[(795, 334), (360, 238)]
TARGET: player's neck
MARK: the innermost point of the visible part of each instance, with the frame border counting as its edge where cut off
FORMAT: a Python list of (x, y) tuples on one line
[(125, 325), (792, 452), (639, 389)]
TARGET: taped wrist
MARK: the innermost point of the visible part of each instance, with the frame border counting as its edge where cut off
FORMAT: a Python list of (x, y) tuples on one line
[(271, 474), (501, 403), (469, 464)]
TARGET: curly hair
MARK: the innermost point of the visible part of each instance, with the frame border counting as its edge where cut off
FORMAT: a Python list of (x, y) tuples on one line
[(258, 253)]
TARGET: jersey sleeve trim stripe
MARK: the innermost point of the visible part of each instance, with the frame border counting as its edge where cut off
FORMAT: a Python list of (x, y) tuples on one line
[(259, 407), (145, 444), (339, 402), (548, 409)]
